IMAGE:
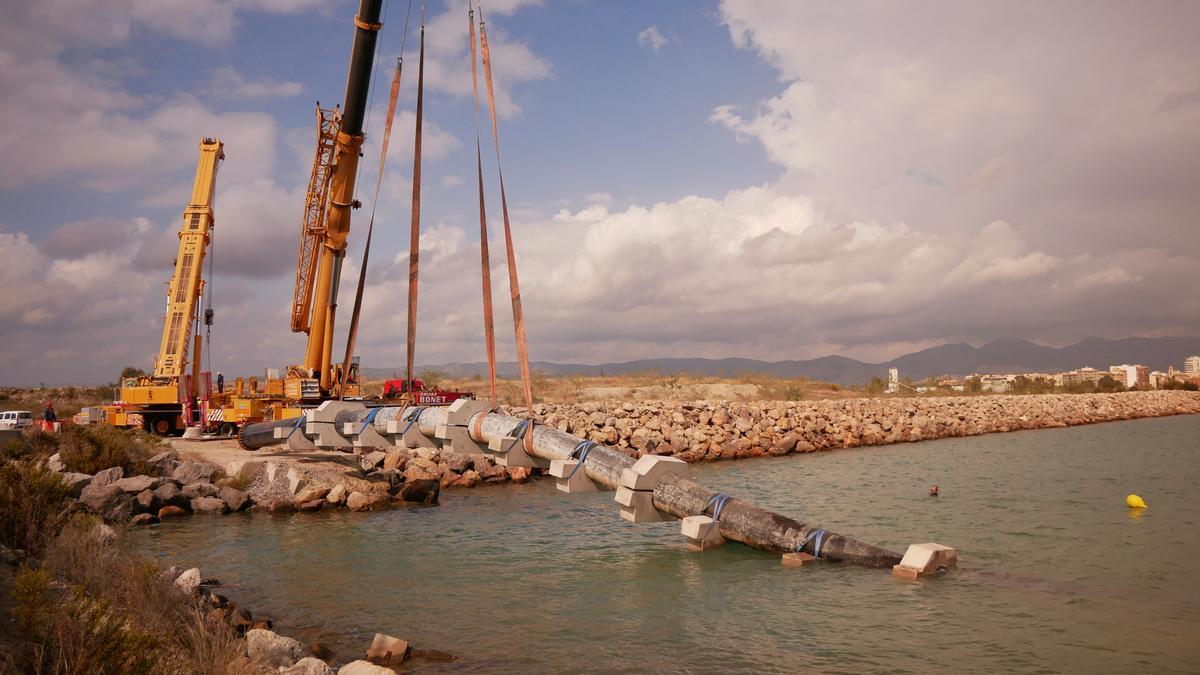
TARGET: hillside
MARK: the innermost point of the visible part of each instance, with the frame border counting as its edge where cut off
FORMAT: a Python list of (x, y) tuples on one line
[(1003, 355)]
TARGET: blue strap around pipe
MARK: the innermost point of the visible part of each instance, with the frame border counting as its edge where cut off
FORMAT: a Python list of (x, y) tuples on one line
[(369, 418), (819, 535), (580, 453), (518, 433), (412, 416), (717, 503)]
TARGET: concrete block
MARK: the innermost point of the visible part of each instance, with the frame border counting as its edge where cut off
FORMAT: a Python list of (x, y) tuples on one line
[(647, 471), (922, 560), (702, 532), (411, 439), (799, 559), (296, 480), (580, 482), (329, 410), (457, 439), (461, 411), (516, 455), (389, 649), (637, 506), (299, 442), (325, 435)]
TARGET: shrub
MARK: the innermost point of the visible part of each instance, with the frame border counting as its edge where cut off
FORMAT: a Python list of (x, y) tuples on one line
[(33, 503), (34, 444), (77, 633), (96, 448)]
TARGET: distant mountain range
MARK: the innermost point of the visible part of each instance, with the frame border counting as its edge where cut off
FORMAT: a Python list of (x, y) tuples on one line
[(1006, 355)]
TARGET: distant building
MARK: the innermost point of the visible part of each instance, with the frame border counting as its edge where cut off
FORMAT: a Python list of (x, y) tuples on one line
[(1191, 366), (1083, 376), (1131, 375), (998, 384), (952, 383), (893, 380)]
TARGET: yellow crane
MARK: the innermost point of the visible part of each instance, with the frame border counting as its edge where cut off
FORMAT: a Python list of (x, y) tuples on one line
[(326, 223), (162, 402)]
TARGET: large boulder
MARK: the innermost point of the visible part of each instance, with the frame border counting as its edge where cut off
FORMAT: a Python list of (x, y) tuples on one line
[(366, 501), (135, 484), (209, 505), (234, 498), (191, 472), (396, 459), (189, 581), (108, 476), (309, 666), (76, 481), (169, 494), (372, 460), (171, 511), (420, 468), (313, 493), (146, 502), (110, 501), (364, 668), (200, 489), (337, 495), (423, 491), (458, 462), (165, 462), (272, 650)]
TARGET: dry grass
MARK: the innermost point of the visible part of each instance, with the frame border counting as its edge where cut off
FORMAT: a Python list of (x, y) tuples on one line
[(67, 400), (33, 502), (88, 449), (94, 608), (650, 386)]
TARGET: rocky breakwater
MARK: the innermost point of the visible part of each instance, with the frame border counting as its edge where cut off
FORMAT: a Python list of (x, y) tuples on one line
[(714, 430)]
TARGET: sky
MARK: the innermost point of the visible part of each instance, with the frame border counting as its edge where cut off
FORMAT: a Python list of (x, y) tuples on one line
[(770, 179)]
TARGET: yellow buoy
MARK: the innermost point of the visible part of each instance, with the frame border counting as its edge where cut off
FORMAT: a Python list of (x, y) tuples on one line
[(1135, 502)]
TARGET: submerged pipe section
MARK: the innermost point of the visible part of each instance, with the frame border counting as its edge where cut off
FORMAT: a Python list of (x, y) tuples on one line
[(680, 497)]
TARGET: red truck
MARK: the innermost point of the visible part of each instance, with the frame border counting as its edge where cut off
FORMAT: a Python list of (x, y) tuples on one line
[(394, 389)]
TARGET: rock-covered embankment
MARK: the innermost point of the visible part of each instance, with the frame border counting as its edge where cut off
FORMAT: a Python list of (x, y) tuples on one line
[(710, 430), (691, 431)]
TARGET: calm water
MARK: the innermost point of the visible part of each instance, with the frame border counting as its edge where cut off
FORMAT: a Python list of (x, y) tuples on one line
[(1056, 573)]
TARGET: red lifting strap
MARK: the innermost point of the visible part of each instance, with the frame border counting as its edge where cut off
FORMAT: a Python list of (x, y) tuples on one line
[(489, 329), (415, 236), (514, 286)]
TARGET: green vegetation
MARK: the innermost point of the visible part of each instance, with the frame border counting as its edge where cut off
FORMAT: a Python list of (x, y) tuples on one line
[(88, 449), (82, 604), (33, 505)]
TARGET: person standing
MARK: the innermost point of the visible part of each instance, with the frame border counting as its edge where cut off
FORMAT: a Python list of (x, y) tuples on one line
[(49, 417)]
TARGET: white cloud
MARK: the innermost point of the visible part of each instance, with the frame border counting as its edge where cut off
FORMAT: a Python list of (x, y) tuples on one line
[(448, 64), (227, 83), (650, 37)]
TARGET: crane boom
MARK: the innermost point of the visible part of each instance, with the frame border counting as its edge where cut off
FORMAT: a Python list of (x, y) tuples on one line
[(187, 284), (348, 141), (312, 227)]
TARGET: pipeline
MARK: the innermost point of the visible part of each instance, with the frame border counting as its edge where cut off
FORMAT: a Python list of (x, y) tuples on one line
[(680, 497)]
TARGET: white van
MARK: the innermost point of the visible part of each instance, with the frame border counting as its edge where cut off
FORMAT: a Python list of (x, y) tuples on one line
[(16, 419)]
